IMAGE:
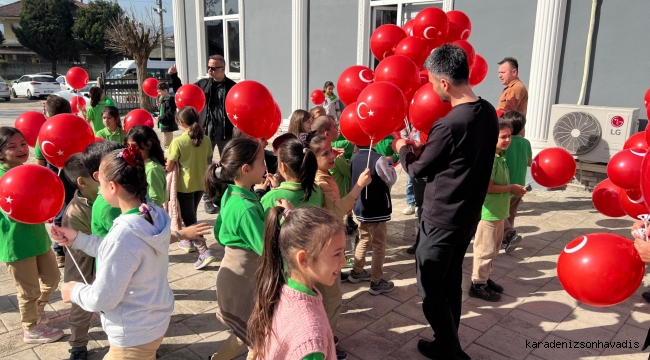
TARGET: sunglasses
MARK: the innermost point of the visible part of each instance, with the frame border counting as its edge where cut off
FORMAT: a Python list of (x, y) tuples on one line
[(214, 68)]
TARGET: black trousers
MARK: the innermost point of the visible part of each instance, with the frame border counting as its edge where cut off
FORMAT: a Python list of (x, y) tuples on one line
[(439, 260), (189, 204), (419, 184)]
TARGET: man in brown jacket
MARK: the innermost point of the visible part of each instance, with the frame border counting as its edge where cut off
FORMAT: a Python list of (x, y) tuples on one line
[(515, 95)]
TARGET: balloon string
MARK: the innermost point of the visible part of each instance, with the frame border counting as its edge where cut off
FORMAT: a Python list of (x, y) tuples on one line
[(368, 162), (76, 265), (408, 131), (645, 218)]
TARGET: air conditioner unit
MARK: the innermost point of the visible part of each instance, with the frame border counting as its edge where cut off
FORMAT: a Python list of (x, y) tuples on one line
[(591, 133)]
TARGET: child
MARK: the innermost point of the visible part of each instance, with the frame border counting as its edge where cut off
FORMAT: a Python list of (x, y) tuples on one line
[(317, 111), (489, 233), (289, 321), (98, 101), (239, 228), (26, 251), (131, 289), (166, 113), (519, 156), (190, 151), (113, 125), (103, 214), (147, 141), (297, 165), (372, 209), (333, 106), (300, 124)]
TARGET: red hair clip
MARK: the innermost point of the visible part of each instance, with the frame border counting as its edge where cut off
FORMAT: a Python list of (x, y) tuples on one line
[(129, 154)]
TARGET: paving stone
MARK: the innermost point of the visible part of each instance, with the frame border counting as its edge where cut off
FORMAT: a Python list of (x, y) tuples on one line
[(367, 345), (178, 335), (496, 337), (632, 338), (604, 318), (396, 328), (478, 352), (182, 354), (581, 331), (563, 351), (408, 351), (376, 305), (353, 320), (530, 326), (412, 309)]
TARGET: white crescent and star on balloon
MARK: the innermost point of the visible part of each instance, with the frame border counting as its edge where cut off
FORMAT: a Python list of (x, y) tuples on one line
[(426, 32), (363, 78), (577, 247), (8, 200), (370, 112), (59, 152)]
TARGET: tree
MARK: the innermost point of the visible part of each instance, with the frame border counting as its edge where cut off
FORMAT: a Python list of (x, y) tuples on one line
[(45, 27), (91, 25), (2, 38), (126, 35)]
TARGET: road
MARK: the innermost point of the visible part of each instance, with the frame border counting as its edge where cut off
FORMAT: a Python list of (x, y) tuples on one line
[(9, 110)]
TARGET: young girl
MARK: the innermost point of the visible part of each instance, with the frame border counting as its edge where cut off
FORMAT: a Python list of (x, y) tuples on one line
[(289, 321), (190, 151), (147, 141), (26, 251), (131, 289), (98, 101), (239, 228), (113, 125), (297, 165), (300, 124), (332, 104)]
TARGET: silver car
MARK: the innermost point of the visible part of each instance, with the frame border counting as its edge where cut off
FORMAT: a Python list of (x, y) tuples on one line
[(4, 90)]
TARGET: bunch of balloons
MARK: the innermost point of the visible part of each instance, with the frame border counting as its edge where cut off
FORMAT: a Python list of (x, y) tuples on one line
[(252, 109)]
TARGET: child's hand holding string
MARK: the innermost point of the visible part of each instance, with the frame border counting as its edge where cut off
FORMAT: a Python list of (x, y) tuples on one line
[(63, 235), (65, 289)]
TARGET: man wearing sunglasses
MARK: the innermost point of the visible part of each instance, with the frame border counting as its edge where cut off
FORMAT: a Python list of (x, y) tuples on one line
[(216, 124)]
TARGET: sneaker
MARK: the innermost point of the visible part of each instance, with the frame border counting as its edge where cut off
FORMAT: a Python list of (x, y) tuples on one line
[(42, 334), (60, 261), (41, 312), (78, 353), (494, 286), (351, 223), (345, 277), (411, 249), (381, 287), (209, 207), (512, 241), (409, 210), (187, 245), (355, 278), (340, 354), (203, 260), (482, 291), (349, 262)]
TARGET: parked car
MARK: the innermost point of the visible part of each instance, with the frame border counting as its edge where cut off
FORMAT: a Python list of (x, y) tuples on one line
[(125, 69), (33, 86), (4, 89), (85, 91)]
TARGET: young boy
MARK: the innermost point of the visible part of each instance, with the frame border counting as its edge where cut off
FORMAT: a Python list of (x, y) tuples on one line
[(489, 233), (372, 209), (519, 157), (166, 113)]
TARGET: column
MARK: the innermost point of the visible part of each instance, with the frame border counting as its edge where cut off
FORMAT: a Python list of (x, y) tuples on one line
[(363, 33), (299, 54), (201, 56), (180, 51), (544, 67)]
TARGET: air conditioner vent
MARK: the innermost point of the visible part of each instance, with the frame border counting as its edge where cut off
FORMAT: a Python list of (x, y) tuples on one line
[(577, 132)]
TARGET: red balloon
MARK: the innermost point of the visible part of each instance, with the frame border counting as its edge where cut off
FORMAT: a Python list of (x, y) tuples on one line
[(77, 102), (350, 128), (408, 27), (77, 78), (553, 167), (401, 71), (137, 117), (317, 97), (275, 125), (352, 81), (431, 24), (401, 126), (500, 113), (150, 87), (646, 98), (459, 26), (624, 168), (637, 140), (469, 51), (600, 269), (190, 95), (30, 123), (478, 71), (252, 107), (31, 194), (98, 139), (605, 199), (63, 135), (384, 40), (632, 203), (424, 77), (645, 177), (380, 108), (426, 108), (414, 48)]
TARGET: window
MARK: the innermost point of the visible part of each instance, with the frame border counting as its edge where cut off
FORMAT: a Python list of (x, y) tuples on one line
[(222, 33)]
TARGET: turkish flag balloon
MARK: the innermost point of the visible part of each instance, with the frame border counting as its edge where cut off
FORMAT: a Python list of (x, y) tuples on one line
[(632, 203), (459, 26), (605, 199), (414, 48), (624, 168), (384, 40), (431, 24), (408, 27), (317, 97), (29, 123), (380, 108), (190, 95), (352, 81), (77, 102), (637, 140), (478, 71), (137, 117), (469, 50), (150, 87), (553, 167), (426, 108), (63, 135), (350, 128), (600, 269), (77, 78), (275, 124), (31, 194), (401, 71), (252, 107)]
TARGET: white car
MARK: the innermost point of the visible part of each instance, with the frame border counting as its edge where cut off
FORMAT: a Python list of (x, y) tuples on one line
[(85, 91), (33, 86), (4, 90)]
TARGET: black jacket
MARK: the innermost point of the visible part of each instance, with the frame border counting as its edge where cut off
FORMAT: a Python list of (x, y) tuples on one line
[(167, 116), (374, 203), (205, 85)]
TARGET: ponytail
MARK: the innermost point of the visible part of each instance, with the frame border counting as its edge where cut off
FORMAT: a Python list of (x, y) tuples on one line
[(236, 154), (301, 163), (196, 134), (189, 117)]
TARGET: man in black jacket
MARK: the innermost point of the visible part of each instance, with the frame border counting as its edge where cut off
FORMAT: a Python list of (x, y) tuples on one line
[(166, 113), (216, 124), (457, 161)]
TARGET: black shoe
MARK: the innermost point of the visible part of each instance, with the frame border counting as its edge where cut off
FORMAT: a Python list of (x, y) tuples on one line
[(494, 286), (344, 278), (351, 223), (646, 296), (425, 348), (483, 292), (78, 353), (411, 249), (209, 207)]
